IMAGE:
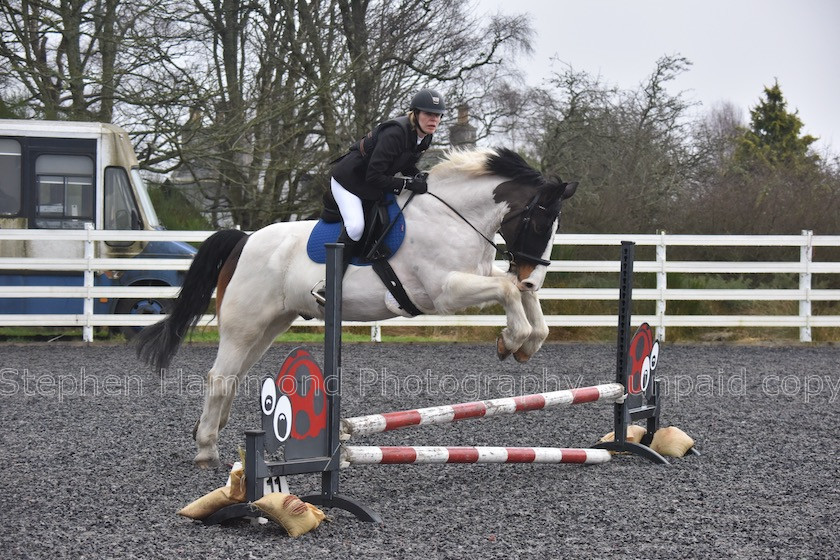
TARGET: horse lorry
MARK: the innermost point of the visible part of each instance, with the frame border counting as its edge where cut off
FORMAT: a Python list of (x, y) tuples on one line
[(65, 176)]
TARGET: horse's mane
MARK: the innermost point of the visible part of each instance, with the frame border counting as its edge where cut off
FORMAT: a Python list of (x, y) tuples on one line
[(486, 161), (508, 163)]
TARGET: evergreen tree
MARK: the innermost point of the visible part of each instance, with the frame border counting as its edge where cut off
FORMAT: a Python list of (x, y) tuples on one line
[(11, 107), (6, 111), (773, 138)]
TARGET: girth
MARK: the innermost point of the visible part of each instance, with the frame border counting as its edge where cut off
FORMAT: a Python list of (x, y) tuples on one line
[(374, 251)]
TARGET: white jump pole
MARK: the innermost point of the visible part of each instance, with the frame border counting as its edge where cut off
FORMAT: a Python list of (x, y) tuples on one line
[(378, 455), (376, 423)]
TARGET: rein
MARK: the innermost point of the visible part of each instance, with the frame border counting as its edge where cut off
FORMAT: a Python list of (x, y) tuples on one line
[(466, 221), (511, 254)]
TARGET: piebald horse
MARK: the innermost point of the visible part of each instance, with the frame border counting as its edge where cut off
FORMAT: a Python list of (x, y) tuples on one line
[(264, 280)]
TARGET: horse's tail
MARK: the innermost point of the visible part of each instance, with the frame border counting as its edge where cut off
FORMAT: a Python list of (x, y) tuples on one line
[(158, 343)]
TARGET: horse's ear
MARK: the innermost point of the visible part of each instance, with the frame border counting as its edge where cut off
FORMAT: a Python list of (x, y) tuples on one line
[(554, 192), (570, 190)]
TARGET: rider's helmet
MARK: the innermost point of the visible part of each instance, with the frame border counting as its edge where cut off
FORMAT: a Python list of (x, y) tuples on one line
[(428, 100)]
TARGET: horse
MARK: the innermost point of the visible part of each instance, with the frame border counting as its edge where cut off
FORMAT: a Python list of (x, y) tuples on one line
[(264, 281)]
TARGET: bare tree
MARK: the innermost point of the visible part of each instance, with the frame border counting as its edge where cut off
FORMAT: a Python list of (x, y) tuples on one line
[(630, 148), (310, 78), (397, 48), (64, 56), (249, 101)]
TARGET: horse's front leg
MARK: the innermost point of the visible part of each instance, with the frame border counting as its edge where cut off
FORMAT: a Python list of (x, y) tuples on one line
[(463, 290), (539, 328), (534, 314)]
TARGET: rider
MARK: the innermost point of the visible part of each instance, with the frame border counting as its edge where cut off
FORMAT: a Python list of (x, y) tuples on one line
[(367, 172)]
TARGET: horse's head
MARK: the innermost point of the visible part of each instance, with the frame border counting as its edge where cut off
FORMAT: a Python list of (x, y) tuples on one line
[(533, 214)]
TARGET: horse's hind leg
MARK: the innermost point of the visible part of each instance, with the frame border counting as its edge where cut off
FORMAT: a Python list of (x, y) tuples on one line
[(239, 349)]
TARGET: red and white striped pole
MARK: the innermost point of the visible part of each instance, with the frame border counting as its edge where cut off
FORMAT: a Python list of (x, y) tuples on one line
[(376, 423), (364, 455)]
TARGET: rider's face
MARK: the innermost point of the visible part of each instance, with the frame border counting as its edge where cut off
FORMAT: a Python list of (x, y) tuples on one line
[(428, 122)]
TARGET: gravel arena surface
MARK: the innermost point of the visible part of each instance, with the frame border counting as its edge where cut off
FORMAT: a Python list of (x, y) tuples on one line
[(97, 452)]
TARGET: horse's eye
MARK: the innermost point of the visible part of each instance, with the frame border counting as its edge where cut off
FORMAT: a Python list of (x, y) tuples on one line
[(540, 228)]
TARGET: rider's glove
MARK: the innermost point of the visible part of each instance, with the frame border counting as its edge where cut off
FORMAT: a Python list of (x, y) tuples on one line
[(417, 184)]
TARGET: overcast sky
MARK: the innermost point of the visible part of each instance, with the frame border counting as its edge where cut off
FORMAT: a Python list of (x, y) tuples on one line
[(736, 47)]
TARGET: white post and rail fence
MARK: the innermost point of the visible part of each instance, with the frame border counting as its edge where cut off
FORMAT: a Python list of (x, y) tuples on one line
[(90, 266)]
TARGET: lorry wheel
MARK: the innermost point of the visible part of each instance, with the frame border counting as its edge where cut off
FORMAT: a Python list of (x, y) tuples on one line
[(141, 307)]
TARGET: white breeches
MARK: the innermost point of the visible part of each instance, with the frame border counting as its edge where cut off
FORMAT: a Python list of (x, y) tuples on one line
[(351, 210)]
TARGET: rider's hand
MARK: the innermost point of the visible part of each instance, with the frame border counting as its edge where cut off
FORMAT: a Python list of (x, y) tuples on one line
[(417, 184)]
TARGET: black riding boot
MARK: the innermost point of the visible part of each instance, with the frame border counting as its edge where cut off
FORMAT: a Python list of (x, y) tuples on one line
[(351, 249)]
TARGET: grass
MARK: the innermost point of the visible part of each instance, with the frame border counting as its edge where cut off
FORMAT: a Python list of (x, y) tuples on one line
[(315, 335), (208, 335)]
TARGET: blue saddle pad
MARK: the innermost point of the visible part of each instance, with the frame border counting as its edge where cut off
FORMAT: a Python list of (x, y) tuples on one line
[(325, 232)]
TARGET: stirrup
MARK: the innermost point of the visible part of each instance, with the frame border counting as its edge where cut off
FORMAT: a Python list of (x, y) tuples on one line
[(319, 292)]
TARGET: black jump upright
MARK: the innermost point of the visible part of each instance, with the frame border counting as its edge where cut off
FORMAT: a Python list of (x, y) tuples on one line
[(329, 496), (642, 405)]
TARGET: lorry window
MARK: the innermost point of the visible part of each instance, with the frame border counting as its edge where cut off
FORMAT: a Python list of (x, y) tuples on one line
[(145, 201), (10, 177), (120, 209), (64, 188)]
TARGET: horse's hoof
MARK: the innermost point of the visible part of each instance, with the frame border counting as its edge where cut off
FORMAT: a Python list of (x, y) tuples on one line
[(501, 350), (205, 463), (521, 356)]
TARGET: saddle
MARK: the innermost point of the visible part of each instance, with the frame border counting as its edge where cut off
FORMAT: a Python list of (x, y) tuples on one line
[(380, 241), (383, 236), (377, 220)]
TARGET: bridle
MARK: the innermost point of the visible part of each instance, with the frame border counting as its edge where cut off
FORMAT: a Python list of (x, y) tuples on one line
[(516, 249)]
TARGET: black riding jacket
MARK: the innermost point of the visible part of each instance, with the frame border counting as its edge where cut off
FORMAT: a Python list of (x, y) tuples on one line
[(368, 169)]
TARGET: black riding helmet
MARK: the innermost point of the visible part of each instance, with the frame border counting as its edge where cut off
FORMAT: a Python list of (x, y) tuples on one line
[(428, 100)]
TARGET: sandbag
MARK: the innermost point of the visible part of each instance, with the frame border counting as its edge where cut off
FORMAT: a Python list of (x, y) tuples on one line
[(237, 489), (671, 442), (208, 504), (212, 502), (294, 515), (635, 433)]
